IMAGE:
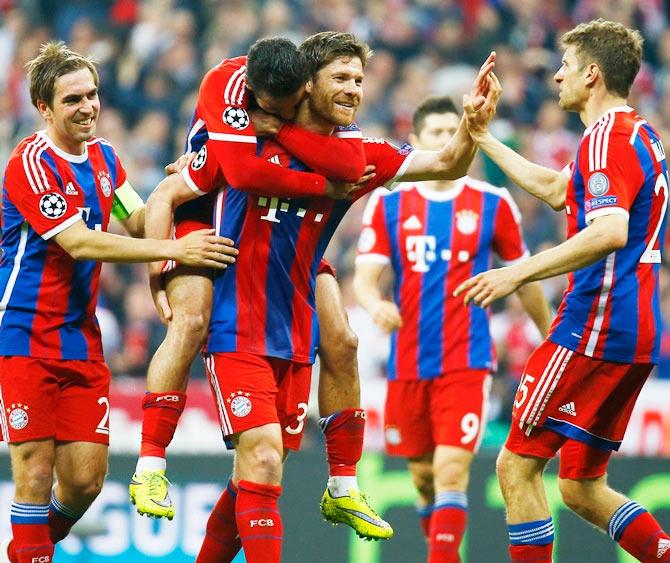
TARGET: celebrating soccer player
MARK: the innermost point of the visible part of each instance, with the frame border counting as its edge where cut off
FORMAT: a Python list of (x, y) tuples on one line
[(263, 332), (273, 76), (579, 387), (61, 185), (435, 236)]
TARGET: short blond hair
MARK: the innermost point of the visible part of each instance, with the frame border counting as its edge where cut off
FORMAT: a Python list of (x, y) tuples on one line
[(616, 49), (54, 60)]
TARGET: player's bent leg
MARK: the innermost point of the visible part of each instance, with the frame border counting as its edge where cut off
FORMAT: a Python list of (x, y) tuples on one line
[(421, 470), (584, 488), (451, 467), (258, 471), (80, 473), (342, 420), (529, 522), (189, 293), (32, 469)]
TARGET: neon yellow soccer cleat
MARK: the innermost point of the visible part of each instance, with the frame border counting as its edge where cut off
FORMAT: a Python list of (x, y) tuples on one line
[(354, 511), (149, 493)]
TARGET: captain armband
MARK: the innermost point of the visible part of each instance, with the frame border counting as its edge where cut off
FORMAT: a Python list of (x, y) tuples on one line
[(126, 202)]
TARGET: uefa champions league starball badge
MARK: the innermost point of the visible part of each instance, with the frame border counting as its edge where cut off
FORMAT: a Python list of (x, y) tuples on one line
[(53, 205), (237, 118)]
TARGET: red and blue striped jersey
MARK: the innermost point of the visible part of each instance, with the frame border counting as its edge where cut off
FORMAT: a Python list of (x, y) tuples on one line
[(48, 299), (264, 303), (434, 241), (610, 310)]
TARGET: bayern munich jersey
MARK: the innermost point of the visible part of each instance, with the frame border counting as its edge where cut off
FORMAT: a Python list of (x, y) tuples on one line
[(264, 303), (434, 241), (48, 299), (611, 309)]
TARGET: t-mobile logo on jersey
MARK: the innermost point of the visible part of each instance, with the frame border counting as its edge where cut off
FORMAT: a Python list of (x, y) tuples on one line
[(275, 204), (265, 522), (421, 251)]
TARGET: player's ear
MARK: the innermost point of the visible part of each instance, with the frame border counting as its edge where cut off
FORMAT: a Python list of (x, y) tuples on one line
[(592, 72), (308, 87), (413, 140), (44, 109)]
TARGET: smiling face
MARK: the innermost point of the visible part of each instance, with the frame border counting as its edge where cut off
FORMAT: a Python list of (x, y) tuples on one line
[(337, 91), (571, 79), (72, 117)]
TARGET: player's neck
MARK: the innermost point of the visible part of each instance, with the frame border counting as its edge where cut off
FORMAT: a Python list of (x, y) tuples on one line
[(440, 186), (597, 105), (312, 122), (65, 144)]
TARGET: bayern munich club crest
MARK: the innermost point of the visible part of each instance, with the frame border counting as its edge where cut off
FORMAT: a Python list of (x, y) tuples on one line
[(237, 118), (53, 205), (105, 183), (240, 404), (466, 221), (17, 416)]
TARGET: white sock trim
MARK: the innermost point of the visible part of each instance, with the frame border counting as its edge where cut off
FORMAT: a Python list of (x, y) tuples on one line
[(339, 485), (151, 463)]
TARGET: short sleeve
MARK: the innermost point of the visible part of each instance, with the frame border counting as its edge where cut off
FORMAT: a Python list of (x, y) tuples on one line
[(508, 240), (35, 189), (222, 104), (390, 162), (203, 175), (373, 243), (612, 175)]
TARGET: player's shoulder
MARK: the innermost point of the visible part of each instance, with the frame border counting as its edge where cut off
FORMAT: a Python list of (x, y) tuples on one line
[(228, 78), (27, 153)]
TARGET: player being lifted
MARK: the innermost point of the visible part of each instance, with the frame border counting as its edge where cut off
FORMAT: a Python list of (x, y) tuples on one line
[(263, 331), (579, 387), (273, 76), (435, 235), (60, 187)]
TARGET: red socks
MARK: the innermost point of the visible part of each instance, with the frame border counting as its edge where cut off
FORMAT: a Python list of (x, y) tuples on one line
[(447, 526), (344, 440), (259, 522), (531, 553), (222, 542), (160, 418), (639, 533), (425, 513), (30, 527)]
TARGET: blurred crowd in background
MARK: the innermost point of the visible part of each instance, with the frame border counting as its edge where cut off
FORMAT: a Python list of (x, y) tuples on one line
[(152, 55)]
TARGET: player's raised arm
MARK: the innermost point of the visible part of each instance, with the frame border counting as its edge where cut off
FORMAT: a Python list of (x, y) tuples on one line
[(454, 159), (544, 183)]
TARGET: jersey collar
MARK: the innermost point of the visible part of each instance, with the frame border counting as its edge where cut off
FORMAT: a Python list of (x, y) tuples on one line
[(75, 158), (446, 195), (617, 109)]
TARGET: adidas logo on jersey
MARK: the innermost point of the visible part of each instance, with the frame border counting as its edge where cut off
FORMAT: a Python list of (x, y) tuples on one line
[(70, 189), (663, 547), (569, 408), (412, 223)]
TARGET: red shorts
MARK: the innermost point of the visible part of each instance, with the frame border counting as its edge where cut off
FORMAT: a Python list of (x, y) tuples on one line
[(326, 268), (66, 400), (252, 390), (449, 411), (563, 397)]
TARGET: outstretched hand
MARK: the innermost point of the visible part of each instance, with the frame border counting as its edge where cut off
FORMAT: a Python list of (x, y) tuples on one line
[(483, 289), (480, 87), (480, 110)]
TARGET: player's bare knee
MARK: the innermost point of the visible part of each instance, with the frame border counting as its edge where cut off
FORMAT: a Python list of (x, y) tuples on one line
[(265, 463), (451, 474), (34, 481), (85, 484), (339, 352), (506, 469), (191, 328), (422, 476)]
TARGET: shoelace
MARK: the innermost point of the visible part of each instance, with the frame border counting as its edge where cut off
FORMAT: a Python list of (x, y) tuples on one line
[(156, 481)]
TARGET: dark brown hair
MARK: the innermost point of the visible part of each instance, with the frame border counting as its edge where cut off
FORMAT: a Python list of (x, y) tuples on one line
[(616, 50), (323, 48), (433, 104), (53, 61)]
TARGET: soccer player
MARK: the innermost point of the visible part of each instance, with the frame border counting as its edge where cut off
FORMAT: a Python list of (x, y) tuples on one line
[(263, 331), (60, 187), (435, 235), (580, 385), (273, 76)]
